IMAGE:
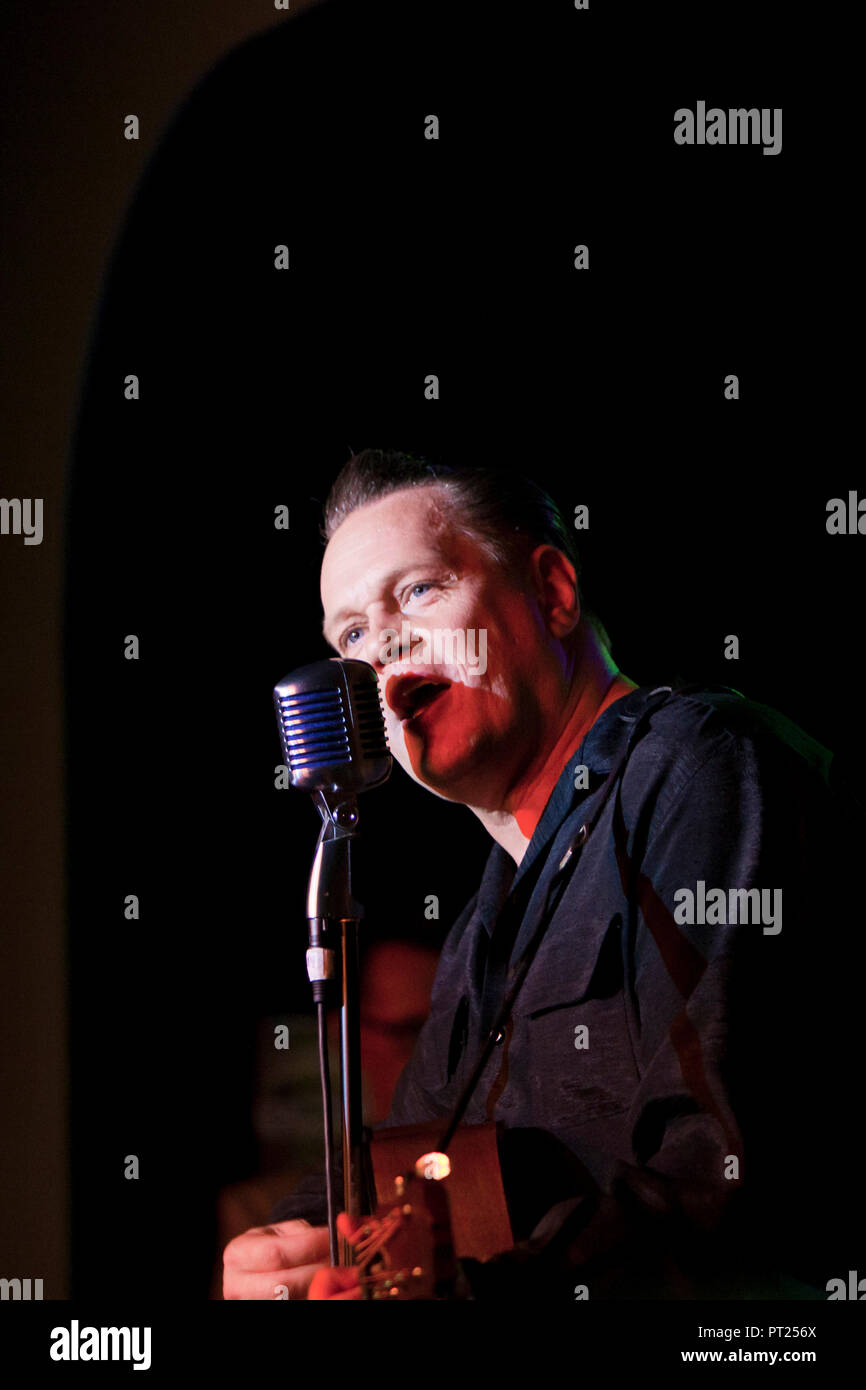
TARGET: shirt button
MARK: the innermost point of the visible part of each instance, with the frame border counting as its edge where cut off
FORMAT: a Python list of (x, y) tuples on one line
[(498, 1038)]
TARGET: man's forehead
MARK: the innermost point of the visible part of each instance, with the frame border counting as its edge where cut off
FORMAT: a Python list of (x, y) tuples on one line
[(376, 543)]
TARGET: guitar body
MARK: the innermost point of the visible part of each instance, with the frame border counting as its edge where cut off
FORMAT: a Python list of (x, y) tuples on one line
[(425, 1222)]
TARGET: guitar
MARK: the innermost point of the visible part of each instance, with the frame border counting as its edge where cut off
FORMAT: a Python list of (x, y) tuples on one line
[(432, 1210)]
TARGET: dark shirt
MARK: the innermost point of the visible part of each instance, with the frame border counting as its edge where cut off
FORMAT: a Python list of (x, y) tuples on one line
[(657, 1080)]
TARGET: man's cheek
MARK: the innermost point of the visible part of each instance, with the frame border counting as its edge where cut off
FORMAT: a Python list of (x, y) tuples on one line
[(475, 702), (398, 743), (392, 723)]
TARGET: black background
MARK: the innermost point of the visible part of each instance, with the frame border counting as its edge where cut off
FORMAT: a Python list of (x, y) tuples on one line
[(409, 257)]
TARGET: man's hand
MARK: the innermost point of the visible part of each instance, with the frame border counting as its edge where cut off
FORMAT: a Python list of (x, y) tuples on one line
[(341, 1283), (266, 1260)]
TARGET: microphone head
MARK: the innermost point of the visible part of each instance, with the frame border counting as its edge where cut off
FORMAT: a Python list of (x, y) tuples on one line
[(332, 728)]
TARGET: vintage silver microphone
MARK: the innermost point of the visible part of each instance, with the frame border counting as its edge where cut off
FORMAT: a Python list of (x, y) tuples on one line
[(332, 727), (332, 731)]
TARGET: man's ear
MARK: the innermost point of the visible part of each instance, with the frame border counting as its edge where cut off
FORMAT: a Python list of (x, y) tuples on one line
[(555, 581)]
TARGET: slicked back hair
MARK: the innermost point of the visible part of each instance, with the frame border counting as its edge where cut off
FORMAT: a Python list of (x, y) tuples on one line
[(505, 512)]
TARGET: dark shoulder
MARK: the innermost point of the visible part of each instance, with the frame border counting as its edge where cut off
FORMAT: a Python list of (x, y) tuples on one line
[(696, 725)]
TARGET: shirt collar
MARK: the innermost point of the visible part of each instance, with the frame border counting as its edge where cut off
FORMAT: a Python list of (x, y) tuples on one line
[(597, 752)]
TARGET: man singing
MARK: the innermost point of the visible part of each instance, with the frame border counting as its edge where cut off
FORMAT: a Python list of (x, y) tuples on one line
[(669, 1087)]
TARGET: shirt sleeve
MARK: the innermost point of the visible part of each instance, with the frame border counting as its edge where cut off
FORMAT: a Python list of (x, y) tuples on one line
[(433, 1058), (308, 1201), (730, 1184)]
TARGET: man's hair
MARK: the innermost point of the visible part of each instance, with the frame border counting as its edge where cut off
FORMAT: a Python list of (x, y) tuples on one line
[(505, 512)]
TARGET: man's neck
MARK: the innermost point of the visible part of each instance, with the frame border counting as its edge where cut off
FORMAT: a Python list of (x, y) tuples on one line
[(514, 826)]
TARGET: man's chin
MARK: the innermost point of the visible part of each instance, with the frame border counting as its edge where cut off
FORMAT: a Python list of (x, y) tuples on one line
[(449, 778)]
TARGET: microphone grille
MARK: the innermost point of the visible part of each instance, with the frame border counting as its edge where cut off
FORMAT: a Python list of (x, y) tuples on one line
[(332, 726), (370, 720), (314, 731)]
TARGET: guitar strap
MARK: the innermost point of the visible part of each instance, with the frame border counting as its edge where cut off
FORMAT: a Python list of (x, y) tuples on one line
[(658, 697)]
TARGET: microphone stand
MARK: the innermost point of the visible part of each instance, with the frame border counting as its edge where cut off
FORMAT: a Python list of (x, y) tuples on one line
[(333, 916)]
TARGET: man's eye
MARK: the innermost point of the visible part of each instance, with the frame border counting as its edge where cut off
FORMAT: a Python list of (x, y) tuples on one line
[(346, 638), (411, 592)]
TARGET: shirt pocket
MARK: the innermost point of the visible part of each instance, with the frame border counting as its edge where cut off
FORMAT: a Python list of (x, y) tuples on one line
[(580, 1065)]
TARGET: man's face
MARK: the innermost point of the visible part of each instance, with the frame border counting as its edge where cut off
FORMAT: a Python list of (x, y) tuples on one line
[(460, 649)]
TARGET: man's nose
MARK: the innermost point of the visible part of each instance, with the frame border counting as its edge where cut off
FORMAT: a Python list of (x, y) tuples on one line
[(370, 652), (373, 647), (386, 643)]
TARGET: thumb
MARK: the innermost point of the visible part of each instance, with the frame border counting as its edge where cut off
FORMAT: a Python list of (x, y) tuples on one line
[(338, 1283), (350, 1227)]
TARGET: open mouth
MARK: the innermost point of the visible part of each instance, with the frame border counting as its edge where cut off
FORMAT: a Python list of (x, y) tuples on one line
[(409, 695), (424, 697)]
